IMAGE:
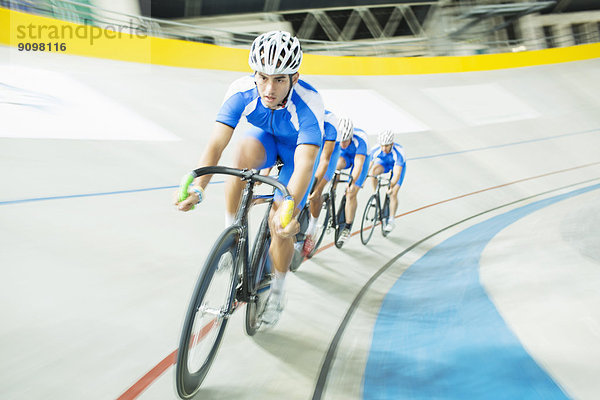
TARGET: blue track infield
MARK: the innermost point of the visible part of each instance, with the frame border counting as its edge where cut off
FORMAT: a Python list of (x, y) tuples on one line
[(438, 335)]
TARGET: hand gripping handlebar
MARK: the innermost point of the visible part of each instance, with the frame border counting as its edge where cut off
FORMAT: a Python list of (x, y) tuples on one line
[(287, 210)]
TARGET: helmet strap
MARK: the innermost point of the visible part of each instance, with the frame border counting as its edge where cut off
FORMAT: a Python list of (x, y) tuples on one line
[(287, 96)]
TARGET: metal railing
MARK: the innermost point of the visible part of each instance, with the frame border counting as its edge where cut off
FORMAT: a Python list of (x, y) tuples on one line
[(88, 14)]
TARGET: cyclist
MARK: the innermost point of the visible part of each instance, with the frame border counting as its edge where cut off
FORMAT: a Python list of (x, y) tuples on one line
[(389, 156), (286, 117), (354, 155), (327, 163)]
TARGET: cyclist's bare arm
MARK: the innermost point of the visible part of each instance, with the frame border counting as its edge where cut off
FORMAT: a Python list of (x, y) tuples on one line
[(395, 179), (324, 160), (396, 175), (304, 161), (359, 161), (322, 168), (219, 139), (371, 167)]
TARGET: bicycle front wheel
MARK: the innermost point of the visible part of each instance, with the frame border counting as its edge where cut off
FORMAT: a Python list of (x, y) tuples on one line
[(369, 218), (206, 317), (322, 223)]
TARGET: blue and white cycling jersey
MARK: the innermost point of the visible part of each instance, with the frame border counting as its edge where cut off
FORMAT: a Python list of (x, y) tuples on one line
[(357, 146), (331, 135), (396, 157), (300, 121), (331, 125)]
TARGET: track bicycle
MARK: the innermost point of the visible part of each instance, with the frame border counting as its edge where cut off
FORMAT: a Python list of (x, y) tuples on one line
[(231, 275), (375, 213), (330, 218)]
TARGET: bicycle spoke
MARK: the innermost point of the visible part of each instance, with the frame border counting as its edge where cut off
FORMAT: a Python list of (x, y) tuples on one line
[(369, 219), (211, 305)]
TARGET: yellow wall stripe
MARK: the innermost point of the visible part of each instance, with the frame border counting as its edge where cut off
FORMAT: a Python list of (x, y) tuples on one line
[(83, 40)]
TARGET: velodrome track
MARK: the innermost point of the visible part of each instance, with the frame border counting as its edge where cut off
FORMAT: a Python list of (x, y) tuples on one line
[(488, 287)]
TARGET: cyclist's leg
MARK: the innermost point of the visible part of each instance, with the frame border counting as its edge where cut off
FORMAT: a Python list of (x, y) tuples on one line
[(256, 150), (376, 170), (394, 201), (351, 197), (281, 252), (394, 195), (343, 163), (315, 206), (282, 248), (316, 198)]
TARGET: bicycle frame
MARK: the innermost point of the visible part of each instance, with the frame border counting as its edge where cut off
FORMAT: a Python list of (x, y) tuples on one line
[(241, 221), (332, 193), (381, 183), (381, 212), (244, 293)]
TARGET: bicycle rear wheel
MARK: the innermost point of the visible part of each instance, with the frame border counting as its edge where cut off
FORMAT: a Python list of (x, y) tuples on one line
[(341, 221), (259, 276), (322, 223), (206, 317), (369, 218), (385, 214)]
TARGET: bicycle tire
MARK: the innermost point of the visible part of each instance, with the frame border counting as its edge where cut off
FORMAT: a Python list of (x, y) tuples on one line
[(369, 219), (205, 320), (385, 214), (322, 223), (259, 281), (341, 219)]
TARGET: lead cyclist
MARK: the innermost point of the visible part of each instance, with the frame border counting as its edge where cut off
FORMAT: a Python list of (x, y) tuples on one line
[(286, 117)]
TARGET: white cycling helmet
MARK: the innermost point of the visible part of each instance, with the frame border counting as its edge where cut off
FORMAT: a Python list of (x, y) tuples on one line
[(346, 129), (386, 137), (275, 52)]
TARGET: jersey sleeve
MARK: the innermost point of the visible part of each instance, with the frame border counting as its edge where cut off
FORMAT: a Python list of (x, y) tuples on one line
[(236, 99), (399, 155), (361, 145), (373, 152), (311, 114), (330, 125)]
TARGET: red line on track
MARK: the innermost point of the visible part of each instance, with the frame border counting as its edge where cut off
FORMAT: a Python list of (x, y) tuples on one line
[(137, 388), (152, 375)]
